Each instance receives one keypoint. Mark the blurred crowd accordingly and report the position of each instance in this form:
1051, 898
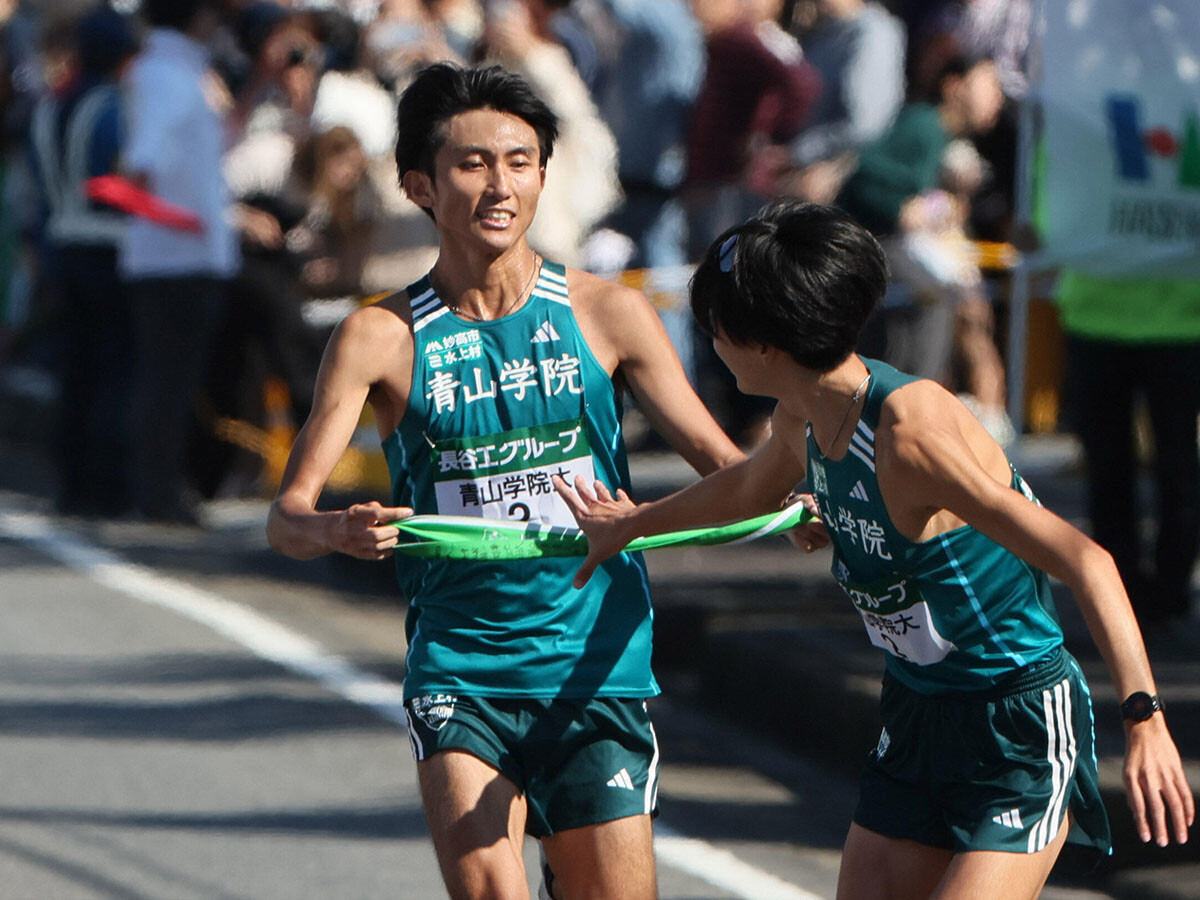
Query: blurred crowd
273, 124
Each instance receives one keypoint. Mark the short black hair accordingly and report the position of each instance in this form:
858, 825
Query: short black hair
176, 14
443, 90
798, 276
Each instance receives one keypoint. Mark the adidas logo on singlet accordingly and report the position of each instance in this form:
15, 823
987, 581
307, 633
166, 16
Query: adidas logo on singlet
860, 493
1010, 819
545, 334
621, 780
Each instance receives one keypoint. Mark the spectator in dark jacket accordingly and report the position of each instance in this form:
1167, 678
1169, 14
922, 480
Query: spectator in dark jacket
75, 136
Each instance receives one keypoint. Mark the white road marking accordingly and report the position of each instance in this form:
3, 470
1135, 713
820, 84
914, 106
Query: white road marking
257, 633
721, 868
307, 659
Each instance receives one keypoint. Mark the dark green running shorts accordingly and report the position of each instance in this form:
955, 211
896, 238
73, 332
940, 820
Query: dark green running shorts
992, 770
578, 762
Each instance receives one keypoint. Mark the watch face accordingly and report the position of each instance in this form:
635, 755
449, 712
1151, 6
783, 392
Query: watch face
1139, 706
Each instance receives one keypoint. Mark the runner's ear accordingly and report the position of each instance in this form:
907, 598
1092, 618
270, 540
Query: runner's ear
418, 186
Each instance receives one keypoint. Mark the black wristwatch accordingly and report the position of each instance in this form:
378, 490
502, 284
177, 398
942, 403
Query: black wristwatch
1139, 706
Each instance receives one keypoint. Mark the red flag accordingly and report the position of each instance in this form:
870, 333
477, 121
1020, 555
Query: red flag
121, 193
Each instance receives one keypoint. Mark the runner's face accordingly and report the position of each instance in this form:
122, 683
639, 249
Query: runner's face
488, 178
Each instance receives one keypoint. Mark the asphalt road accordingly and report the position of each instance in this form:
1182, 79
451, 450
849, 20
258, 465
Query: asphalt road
186, 715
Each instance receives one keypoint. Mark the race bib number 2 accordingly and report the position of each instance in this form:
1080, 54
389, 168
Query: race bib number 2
507, 475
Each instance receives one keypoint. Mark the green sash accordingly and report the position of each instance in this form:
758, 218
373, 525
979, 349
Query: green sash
468, 537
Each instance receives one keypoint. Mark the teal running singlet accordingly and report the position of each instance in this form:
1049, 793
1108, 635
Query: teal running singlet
954, 613
497, 408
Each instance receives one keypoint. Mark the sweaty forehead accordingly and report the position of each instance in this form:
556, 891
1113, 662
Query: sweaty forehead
498, 132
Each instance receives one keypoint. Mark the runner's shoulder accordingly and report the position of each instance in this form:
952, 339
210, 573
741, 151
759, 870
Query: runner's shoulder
389, 314
607, 302
382, 327
922, 425
916, 407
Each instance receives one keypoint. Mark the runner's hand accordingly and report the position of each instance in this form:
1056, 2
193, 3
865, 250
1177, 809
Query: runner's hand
362, 530
812, 534
1155, 784
603, 519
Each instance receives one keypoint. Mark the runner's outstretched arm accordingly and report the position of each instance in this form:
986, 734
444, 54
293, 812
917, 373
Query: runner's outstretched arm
751, 487
356, 358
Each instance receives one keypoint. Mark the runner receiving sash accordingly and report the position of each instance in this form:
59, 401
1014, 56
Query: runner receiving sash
985, 766
489, 377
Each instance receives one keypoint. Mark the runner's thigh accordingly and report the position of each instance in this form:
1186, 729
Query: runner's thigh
875, 867
476, 819
610, 861
999, 875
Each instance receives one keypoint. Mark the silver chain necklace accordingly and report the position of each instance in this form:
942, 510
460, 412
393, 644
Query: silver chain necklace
853, 402
520, 298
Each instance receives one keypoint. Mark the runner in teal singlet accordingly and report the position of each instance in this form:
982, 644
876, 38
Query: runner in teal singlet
985, 766
498, 407
491, 375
